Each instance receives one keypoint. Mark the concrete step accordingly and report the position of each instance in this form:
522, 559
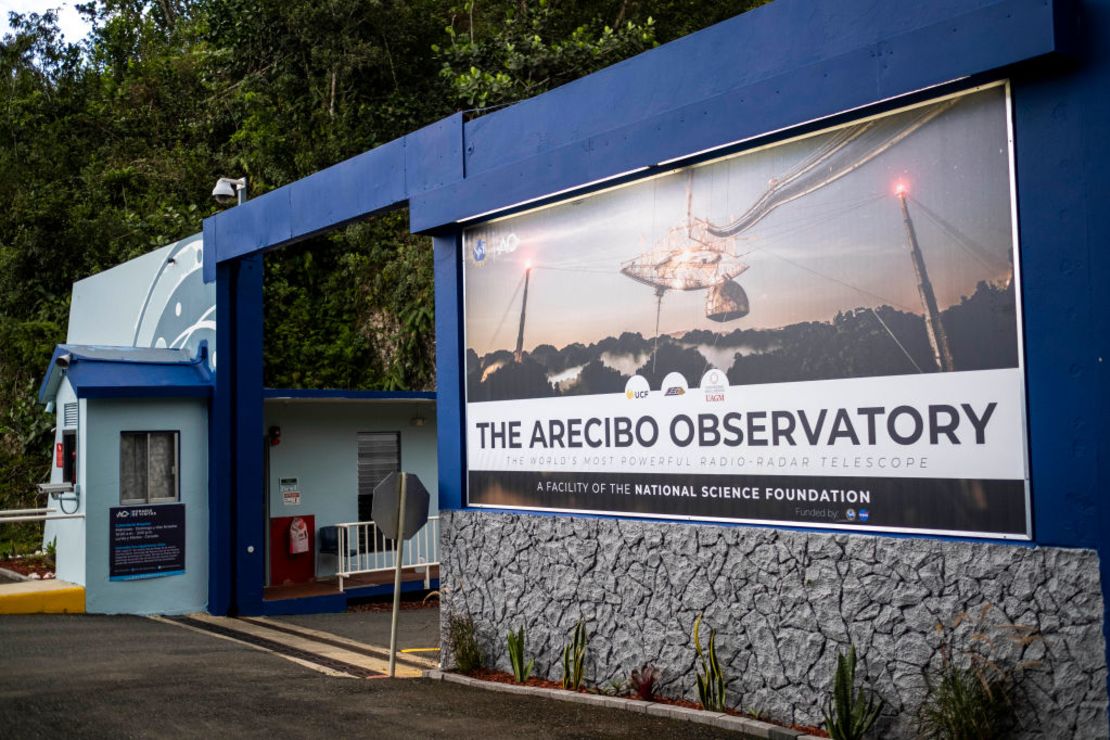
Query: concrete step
42, 597
324, 652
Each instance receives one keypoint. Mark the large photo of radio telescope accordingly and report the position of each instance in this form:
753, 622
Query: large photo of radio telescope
883, 247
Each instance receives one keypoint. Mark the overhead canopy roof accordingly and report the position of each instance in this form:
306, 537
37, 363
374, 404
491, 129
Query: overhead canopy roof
127, 372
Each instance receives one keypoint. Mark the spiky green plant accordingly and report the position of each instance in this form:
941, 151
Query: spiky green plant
850, 713
521, 669
574, 657
711, 679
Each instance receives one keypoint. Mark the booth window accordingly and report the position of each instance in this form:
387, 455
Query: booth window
379, 454
148, 467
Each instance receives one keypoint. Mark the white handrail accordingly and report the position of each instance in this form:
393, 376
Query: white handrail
42, 515
362, 548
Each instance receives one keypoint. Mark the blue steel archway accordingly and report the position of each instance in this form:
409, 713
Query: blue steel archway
783, 66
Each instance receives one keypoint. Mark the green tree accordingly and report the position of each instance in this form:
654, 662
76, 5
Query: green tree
108, 149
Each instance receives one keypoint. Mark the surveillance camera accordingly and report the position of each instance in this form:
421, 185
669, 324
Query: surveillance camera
63, 360
227, 190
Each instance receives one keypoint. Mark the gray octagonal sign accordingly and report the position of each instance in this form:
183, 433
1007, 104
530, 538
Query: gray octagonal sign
387, 498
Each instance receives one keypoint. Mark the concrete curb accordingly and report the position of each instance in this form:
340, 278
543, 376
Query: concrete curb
746, 727
42, 597
14, 575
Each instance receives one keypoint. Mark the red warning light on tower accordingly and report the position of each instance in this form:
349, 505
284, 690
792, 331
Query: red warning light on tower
901, 188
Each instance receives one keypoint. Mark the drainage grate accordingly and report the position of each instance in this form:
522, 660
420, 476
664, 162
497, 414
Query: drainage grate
277, 647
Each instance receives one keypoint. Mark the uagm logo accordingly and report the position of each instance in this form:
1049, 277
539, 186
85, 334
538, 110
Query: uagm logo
714, 384
480, 250
675, 390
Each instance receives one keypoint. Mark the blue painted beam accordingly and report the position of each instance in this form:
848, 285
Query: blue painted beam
788, 63
913, 44
369, 183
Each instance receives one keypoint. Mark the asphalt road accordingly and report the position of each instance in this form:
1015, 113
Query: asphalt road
416, 628
92, 676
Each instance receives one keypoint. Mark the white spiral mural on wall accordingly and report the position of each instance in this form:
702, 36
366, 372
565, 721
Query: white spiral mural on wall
179, 309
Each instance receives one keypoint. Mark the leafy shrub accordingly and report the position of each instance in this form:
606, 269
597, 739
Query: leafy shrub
521, 670
711, 680
574, 656
463, 643
644, 679
968, 703
850, 713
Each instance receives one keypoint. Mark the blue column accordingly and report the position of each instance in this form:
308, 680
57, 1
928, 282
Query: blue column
247, 433
450, 372
221, 528
1061, 116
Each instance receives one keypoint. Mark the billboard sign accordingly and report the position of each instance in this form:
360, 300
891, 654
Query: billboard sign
824, 331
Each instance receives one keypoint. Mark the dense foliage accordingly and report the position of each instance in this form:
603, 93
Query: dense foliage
109, 148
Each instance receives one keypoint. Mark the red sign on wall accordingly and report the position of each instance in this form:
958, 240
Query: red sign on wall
59, 455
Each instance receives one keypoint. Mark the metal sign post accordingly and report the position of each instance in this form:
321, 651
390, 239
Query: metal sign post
400, 543
400, 509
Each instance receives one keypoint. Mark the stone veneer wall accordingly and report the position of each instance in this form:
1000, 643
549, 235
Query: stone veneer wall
783, 604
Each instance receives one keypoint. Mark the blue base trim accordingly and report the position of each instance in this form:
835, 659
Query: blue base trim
385, 589
308, 605
333, 603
